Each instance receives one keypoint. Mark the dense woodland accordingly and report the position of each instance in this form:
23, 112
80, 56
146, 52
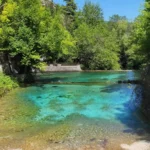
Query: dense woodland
34, 33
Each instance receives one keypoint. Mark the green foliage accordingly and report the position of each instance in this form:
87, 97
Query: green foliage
70, 13
96, 47
55, 41
144, 30
20, 30
33, 35
30, 33
115, 19
107, 54
123, 29
6, 84
70, 8
135, 57
139, 54
92, 13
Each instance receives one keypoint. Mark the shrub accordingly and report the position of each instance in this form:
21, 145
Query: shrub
7, 84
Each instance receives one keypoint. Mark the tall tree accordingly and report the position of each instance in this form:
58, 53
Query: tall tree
70, 12
123, 29
92, 13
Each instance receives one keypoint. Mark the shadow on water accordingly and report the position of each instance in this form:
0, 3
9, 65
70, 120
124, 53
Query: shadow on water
135, 122
112, 88
52, 79
130, 114
83, 77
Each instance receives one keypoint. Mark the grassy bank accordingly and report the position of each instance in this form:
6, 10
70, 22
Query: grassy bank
7, 84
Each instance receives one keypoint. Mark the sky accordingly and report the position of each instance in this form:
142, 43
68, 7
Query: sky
128, 8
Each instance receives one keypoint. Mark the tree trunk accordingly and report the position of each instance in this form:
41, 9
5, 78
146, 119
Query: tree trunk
6, 63
28, 76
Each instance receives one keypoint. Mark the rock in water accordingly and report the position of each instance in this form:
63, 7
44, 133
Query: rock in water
140, 145
103, 143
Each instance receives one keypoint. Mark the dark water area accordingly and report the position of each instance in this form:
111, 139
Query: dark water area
77, 110
88, 77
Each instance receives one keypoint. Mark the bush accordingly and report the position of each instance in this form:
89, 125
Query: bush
7, 84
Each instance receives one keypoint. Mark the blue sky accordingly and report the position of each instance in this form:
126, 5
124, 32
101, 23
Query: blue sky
128, 8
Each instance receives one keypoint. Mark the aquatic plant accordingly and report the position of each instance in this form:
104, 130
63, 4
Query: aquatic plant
106, 107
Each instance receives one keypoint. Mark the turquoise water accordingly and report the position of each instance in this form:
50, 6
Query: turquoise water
99, 96
74, 110
94, 101
88, 77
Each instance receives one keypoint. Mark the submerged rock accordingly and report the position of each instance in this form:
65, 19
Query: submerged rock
16, 149
39, 97
104, 143
54, 86
93, 139
129, 81
140, 145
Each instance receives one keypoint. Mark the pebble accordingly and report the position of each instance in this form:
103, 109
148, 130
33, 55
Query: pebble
104, 143
93, 139
140, 145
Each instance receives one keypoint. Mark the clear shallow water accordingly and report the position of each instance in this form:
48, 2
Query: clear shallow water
91, 110
94, 101
102, 98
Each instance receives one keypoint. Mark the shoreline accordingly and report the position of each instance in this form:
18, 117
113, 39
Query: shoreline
87, 71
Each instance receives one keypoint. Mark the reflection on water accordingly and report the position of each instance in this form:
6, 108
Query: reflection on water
87, 77
73, 116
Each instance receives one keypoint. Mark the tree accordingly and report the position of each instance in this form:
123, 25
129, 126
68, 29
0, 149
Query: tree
113, 20
70, 12
6, 17
20, 32
107, 51
83, 36
146, 29
96, 47
123, 30
139, 54
55, 41
92, 13
30, 34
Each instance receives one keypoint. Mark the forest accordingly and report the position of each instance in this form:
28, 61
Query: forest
34, 33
